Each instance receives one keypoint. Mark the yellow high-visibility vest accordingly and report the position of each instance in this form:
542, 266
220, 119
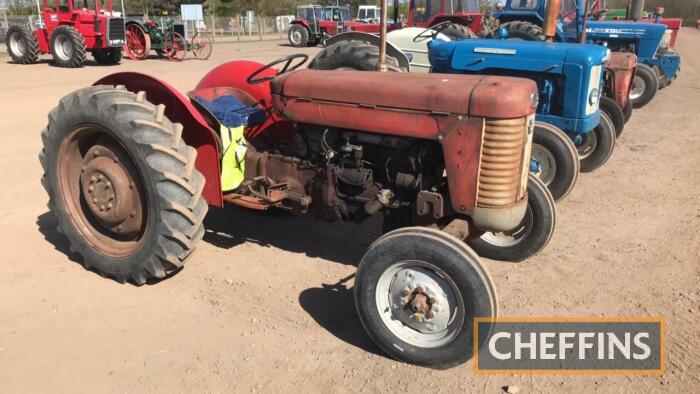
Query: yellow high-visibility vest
233, 162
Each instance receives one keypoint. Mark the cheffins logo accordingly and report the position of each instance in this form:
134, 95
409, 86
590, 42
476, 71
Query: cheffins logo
569, 345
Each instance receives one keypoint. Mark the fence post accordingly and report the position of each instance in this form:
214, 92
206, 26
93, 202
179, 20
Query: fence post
238, 28
260, 27
4, 16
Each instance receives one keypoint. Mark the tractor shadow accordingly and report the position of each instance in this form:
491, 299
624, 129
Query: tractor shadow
339, 242
47, 225
332, 306
50, 63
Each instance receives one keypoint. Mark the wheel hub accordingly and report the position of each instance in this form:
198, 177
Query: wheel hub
109, 192
638, 87
419, 302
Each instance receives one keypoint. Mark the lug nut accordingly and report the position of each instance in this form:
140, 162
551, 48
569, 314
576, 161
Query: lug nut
102, 207
97, 153
94, 200
405, 292
90, 188
417, 317
109, 205
100, 177
116, 160
133, 213
119, 229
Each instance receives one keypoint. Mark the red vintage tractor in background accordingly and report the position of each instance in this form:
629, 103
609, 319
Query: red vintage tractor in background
68, 29
465, 16
314, 23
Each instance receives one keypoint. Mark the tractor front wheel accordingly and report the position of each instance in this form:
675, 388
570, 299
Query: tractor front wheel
122, 183
417, 292
596, 146
644, 85
22, 45
555, 159
67, 47
530, 237
108, 56
616, 114
298, 36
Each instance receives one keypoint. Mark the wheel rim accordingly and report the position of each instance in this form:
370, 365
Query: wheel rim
638, 87
102, 191
513, 237
202, 46
296, 37
63, 47
17, 44
546, 163
175, 47
587, 145
419, 304
135, 42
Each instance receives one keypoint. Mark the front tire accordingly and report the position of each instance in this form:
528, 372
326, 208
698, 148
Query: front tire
417, 292
596, 146
67, 47
108, 56
22, 45
122, 183
611, 108
298, 36
530, 237
644, 85
627, 110
556, 158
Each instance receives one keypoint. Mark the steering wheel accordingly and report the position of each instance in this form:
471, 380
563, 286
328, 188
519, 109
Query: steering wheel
432, 32
288, 66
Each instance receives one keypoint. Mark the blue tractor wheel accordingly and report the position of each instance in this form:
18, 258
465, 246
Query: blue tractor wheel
554, 159
644, 85
596, 146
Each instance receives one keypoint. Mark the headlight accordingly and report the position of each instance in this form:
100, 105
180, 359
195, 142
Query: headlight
594, 85
593, 97
666, 42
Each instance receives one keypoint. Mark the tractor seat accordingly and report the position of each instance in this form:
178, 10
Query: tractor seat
228, 106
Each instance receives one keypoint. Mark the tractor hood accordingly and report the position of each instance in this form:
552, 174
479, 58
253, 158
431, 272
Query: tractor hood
478, 55
625, 30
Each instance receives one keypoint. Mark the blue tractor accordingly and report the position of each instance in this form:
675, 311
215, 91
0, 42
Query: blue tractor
658, 63
569, 77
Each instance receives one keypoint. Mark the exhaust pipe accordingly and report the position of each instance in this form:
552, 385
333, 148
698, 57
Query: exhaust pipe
636, 10
381, 65
550, 19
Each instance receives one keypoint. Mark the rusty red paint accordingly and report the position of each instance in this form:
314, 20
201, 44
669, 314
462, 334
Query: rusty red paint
621, 67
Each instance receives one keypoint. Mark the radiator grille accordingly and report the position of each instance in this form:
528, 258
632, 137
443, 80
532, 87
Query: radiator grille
505, 146
116, 29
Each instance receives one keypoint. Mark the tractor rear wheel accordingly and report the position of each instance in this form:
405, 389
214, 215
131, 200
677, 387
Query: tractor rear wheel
22, 44
523, 30
530, 237
417, 292
67, 47
122, 183
457, 31
644, 85
596, 146
351, 55
107, 56
611, 108
556, 159
298, 36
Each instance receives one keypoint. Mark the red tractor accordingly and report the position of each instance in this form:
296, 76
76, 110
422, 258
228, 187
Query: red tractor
314, 23
131, 164
465, 15
68, 29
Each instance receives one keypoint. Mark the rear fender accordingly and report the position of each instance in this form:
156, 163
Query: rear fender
620, 68
300, 22
196, 131
391, 50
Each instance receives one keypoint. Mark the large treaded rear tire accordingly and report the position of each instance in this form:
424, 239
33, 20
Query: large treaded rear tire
523, 30
456, 31
354, 54
76, 57
171, 186
298, 36
28, 50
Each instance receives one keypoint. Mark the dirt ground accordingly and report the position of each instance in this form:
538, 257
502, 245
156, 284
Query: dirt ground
259, 307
